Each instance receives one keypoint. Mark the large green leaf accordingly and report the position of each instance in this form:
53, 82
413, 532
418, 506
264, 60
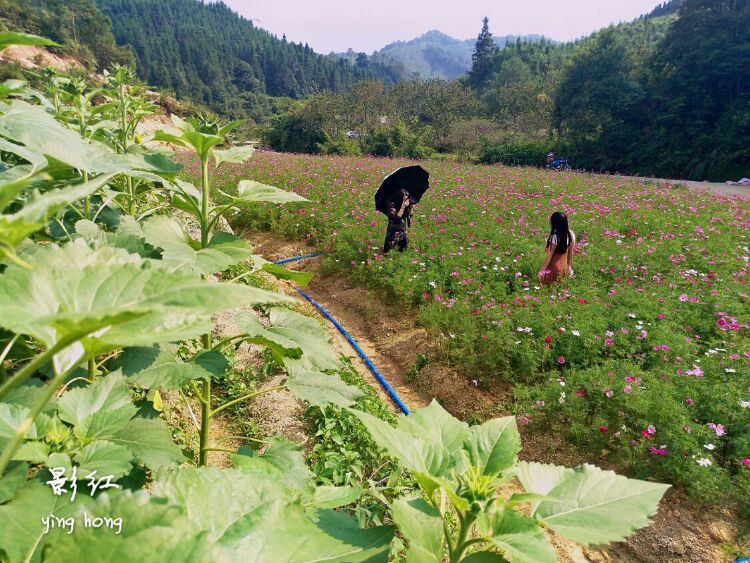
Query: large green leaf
12, 418
595, 506
150, 530
235, 155
281, 346
38, 131
436, 425
8, 38
33, 215
187, 134
159, 367
493, 447
282, 459
484, 557
259, 518
410, 450
103, 458
282, 273
199, 489
540, 478
422, 526
98, 410
250, 191
321, 389
150, 441
318, 352
22, 531
183, 253
12, 481
128, 236
520, 538
111, 296
333, 497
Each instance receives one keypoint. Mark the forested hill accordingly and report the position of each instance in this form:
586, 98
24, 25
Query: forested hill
209, 53
437, 55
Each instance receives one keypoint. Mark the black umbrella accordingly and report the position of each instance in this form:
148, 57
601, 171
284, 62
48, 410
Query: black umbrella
413, 179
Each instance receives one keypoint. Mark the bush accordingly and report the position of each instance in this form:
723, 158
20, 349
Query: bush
397, 140
524, 153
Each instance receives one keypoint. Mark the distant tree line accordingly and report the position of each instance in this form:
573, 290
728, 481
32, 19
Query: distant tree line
663, 95
210, 54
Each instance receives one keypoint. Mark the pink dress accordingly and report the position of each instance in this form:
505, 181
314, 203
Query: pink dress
559, 264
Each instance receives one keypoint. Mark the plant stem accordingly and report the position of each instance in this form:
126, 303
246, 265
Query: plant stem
15, 442
245, 397
205, 226
92, 370
29, 369
205, 422
131, 196
197, 391
466, 520
87, 201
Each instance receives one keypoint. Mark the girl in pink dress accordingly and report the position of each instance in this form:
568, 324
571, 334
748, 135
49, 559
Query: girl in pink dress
561, 244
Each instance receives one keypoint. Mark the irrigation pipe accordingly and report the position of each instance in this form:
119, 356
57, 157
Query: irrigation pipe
295, 258
353, 343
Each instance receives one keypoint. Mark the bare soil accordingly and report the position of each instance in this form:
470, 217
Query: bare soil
32, 56
391, 338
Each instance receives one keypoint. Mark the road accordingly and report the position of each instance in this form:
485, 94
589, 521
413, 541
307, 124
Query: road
723, 189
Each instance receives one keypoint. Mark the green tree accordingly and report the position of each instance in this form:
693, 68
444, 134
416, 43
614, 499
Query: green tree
484, 51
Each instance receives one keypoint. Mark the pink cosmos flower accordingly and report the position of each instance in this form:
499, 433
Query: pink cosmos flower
609, 342
745, 461
604, 429
561, 360
581, 392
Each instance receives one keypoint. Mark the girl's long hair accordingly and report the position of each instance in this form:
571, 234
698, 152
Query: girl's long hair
559, 229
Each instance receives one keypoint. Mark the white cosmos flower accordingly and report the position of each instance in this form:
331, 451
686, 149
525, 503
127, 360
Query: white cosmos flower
704, 462
575, 333
745, 404
709, 447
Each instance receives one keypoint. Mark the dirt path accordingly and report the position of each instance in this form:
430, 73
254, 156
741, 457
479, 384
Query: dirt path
390, 338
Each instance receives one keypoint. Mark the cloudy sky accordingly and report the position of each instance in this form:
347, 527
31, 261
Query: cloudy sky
335, 25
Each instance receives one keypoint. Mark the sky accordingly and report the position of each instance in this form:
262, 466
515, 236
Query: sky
336, 25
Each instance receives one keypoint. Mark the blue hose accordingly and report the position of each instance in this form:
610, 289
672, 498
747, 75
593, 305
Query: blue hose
295, 258
386, 386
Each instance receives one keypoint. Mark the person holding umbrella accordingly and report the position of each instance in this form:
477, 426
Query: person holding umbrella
396, 198
395, 234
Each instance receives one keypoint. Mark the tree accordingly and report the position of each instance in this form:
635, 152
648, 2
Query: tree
484, 51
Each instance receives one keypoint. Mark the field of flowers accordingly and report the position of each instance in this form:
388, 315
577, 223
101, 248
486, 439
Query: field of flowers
645, 354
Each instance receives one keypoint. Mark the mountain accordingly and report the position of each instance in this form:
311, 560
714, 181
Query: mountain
209, 53
436, 54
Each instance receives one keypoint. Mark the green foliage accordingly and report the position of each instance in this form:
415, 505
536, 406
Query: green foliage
469, 464
77, 25
529, 153
104, 310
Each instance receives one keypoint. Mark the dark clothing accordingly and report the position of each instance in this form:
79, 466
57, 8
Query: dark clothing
395, 236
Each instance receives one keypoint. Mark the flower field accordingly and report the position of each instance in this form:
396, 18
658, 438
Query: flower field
644, 354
